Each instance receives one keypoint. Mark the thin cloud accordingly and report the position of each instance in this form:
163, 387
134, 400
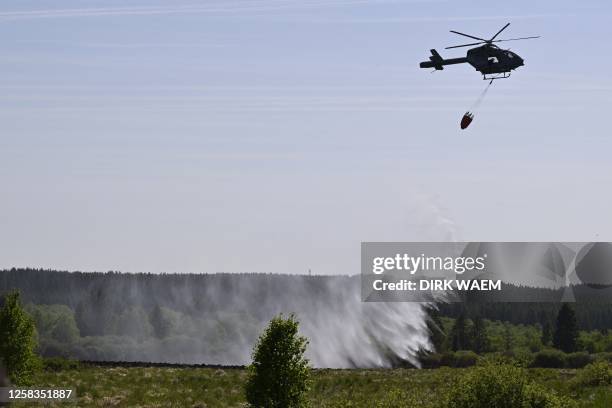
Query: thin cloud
224, 8
129, 45
391, 20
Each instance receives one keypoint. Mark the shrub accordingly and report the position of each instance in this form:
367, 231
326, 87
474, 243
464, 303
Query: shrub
447, 359
500, 386
578, 360
465, 358
60, 364
496, 358
459, 359
397, 399
593, 375
432, 360
605, 356
17, 341
279, 374
520, 357
549, 359
535, 396
488, 386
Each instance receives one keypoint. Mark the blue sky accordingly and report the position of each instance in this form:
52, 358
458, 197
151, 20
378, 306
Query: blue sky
276, 135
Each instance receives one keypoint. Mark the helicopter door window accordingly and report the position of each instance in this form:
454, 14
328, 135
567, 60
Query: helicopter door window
493, 60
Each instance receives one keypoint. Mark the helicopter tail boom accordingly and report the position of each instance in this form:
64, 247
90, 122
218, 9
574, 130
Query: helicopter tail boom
436, 61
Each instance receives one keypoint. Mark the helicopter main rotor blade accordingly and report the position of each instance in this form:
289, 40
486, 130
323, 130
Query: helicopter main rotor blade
465, 45
469, 36
515, 39
499, 32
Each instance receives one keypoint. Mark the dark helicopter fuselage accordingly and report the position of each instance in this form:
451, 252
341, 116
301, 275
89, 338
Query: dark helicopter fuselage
488, 59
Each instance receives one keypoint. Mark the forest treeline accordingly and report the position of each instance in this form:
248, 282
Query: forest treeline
186, 293
187, 318
102, 294
181, 318
590, 316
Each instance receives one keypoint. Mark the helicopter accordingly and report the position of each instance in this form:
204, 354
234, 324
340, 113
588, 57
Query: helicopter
490, 60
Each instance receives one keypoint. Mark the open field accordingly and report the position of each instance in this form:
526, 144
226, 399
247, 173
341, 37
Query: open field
210, 387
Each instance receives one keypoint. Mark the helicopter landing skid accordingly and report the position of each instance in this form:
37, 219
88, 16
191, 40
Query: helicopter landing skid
494, 77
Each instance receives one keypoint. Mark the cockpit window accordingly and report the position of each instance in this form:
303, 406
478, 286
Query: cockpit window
510, 55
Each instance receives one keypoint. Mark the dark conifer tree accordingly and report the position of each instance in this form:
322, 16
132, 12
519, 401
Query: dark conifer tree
460, 340
566, 331
546, 333
480, 341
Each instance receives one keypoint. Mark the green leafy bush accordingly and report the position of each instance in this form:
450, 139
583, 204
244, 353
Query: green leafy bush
520, 357
500, 386
549, 359
459, 359
279, 374
593, 375
605, 356
430, 360
465, 358
397, 399
60, 364
578, 360
536, 396
497, 358
18, 341
488, 386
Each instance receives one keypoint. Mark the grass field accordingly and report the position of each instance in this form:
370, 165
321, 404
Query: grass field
207, 387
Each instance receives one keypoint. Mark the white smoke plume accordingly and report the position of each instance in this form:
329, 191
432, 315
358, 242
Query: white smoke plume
345, 332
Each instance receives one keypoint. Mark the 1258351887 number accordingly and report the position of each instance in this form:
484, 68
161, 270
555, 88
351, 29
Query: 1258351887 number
8, 394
